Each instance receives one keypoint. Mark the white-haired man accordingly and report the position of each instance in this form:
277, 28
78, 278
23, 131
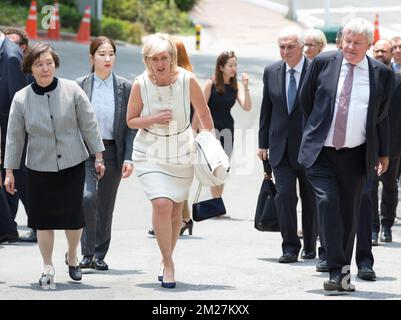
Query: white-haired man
345, 99
280, 134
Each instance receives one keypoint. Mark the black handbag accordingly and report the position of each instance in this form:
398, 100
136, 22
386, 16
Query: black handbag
266, 217
207, 209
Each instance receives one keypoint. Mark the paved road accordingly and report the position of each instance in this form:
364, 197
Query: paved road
225, 258
312, 13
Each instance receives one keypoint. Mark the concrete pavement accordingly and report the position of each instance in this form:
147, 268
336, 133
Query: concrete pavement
226, 258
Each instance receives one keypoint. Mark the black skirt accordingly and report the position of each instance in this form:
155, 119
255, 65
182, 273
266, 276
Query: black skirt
55, 199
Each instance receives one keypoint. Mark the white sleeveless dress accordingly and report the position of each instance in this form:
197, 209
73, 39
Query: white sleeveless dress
162, 153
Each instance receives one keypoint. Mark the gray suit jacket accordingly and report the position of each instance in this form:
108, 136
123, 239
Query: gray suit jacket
57, 124
123, 135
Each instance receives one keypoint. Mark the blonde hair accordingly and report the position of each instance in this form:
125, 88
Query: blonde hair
158, 43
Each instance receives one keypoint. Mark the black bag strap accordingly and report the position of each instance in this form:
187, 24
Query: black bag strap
267, 169
198, 193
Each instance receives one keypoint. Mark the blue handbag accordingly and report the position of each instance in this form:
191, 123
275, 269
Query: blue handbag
207, 209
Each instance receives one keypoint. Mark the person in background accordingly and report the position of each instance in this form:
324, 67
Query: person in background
183, 62
396, 50
221, 93
57, 118
109, 94
159, 106
12, 79
19, 37
314, 43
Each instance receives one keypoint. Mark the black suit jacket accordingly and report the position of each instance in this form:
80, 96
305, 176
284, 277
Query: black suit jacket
317, 100
12, 80
394, 114
123, 135
278, 130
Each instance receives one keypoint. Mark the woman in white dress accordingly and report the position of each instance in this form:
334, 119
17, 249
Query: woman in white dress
159, 106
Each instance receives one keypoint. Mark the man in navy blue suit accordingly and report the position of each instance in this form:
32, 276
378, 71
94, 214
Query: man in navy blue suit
280, 133
12, 80
345, 99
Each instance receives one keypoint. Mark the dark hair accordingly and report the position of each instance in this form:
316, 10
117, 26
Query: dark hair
34, 54
22, 34
219, 80
97, 42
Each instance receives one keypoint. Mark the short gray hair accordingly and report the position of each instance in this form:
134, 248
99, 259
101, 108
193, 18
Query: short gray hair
158, 43
291, 31
317, 35
360, 26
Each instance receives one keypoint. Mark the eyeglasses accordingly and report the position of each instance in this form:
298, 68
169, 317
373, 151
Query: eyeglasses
396, 47
311, 45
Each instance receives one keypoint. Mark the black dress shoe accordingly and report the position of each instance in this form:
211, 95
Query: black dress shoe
87, 263
75, 272
366, 273
307, 255
375, 239
29, 237
101, 265
9, 237
321, 266
385, 235
288, 258
336, 284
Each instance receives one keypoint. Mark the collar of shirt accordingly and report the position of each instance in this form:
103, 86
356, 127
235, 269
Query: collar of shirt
98, 82
298, 67
2, 37
396, 66
363, 64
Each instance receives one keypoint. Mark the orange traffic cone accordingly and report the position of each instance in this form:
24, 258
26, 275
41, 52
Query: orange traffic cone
376, 34
84, 32
54, 30
31, 22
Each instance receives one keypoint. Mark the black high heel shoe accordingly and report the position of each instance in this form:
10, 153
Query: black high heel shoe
188, 225
75, 272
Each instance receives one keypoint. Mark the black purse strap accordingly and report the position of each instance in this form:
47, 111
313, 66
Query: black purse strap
198, 193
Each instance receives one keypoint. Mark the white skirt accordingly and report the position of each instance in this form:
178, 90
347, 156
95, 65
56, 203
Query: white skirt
163, 163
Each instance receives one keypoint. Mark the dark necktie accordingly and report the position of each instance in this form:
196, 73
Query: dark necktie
292, 91
340, 125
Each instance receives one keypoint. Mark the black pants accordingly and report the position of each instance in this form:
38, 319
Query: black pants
338, 179
389, 200
286, 205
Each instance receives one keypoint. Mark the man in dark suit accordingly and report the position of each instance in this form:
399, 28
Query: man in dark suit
345, 98
280, 134
12, 80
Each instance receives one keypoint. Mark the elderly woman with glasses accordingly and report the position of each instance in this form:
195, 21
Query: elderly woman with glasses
221, 93
314, 43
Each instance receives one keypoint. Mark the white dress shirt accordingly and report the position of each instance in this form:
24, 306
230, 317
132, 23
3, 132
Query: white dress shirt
297, 74
104, 105
2, 37
358, 107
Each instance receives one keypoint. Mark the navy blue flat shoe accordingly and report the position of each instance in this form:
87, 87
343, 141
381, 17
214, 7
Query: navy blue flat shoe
168, 285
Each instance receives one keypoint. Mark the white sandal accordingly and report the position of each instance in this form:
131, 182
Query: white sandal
46, 281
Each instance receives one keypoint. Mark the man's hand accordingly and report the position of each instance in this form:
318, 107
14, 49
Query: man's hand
126, 170
381, 165
263, 154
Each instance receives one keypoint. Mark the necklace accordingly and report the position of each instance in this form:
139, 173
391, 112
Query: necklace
159, 96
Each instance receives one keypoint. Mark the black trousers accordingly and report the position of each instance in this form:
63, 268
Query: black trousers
286, 205
364, 256
389, 199
338, 179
